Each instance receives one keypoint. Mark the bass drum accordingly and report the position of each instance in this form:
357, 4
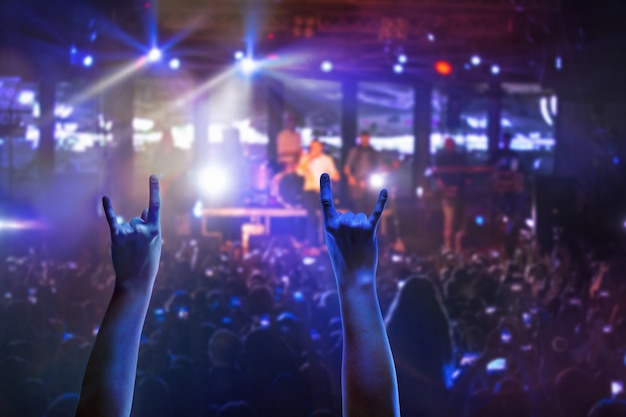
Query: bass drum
286, 189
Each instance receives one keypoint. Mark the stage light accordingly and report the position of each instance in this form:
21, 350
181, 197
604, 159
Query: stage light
88, 61
615, 160
402, 59
558, 62
475, 60
326, 66
174, 63
530, 223
26, 98
213, 181
443, 67
479, 220
495, 70
248, 65
398, 69
431, 37
154, 55
197, 209
239, 55
377, 180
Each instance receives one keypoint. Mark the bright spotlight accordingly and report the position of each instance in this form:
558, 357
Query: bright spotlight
398, 68
239, 55
530, 223
26, 98
495, 70
402, 59
174, 63
326, 66
248, 65
475, 60
431, 37
197, 209
377, 180
154, 54
88, 61
213, 181
479, 220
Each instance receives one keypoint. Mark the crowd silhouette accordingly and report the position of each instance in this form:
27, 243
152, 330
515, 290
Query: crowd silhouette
359, 331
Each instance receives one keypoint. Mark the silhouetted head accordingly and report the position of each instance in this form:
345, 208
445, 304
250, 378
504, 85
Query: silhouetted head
449, 145
364, 138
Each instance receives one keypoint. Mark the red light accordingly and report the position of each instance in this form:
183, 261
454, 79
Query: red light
146, 5
443, 67
270, 36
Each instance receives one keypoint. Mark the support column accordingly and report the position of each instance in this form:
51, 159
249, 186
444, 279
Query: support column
421, 133
119, 105
45, 152
349, 123
200, 129
349, 117
494, 114
275, 113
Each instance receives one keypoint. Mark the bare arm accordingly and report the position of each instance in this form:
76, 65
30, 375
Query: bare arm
369, 386
109, 380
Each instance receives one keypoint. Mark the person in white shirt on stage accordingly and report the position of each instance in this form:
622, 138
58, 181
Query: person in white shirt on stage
311, 167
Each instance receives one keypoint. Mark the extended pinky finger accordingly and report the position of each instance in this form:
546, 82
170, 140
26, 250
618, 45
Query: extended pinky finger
379, 208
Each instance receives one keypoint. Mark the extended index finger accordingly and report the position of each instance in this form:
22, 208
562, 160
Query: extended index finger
326, 196
154, 207
110, 215
379, 208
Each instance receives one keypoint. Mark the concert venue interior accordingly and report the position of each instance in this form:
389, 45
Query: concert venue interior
497, 127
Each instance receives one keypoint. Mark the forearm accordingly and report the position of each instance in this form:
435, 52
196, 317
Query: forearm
109, 380
369, 377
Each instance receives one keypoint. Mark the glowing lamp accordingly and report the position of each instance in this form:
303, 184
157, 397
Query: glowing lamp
443, 67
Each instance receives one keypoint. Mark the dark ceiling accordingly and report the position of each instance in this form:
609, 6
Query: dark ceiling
524, 37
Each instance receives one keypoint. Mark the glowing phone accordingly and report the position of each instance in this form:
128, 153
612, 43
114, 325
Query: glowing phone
469, 358
496, 365
617, 387
264, 321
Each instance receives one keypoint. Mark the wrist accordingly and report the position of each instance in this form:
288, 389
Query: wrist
133, 287
357, 279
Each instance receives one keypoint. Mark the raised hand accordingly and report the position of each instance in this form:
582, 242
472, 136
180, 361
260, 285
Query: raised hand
369, 386
136, 245
351, 238
109, 380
